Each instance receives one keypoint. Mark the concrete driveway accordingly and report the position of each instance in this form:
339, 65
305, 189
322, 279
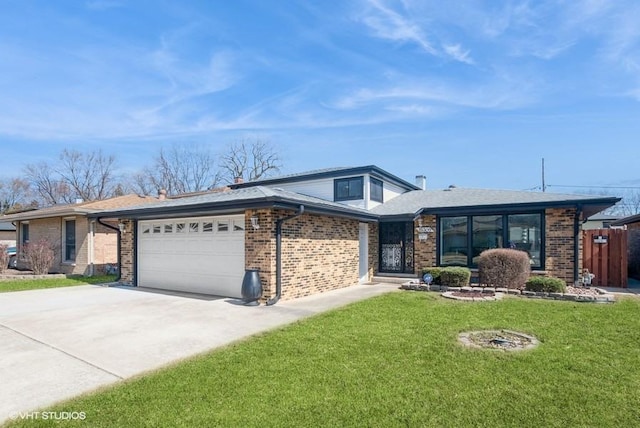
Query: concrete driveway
58, 343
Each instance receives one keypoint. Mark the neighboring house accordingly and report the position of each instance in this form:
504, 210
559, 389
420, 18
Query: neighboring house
599, 221
326, 229
82, 245
7, 233
632, 223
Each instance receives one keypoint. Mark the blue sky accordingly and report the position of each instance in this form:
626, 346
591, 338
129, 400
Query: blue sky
467, 92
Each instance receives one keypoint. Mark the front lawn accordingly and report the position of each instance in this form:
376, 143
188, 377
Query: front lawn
35, 284
395, 361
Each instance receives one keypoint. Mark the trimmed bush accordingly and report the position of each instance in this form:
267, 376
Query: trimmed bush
434, 272
547, 284
503, 267
455, 276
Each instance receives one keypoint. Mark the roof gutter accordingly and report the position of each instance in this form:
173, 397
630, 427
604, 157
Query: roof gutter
279, 222
119, 244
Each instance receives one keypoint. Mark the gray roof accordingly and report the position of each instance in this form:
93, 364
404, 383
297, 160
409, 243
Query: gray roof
467, 200
236, 200
6, 226
601, 217
627, 220
327, 173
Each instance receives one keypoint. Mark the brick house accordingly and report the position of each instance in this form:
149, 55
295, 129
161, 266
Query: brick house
82, 245
632, 223
326, 229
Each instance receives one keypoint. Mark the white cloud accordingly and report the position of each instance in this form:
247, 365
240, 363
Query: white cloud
456, 52
393, 25
389, 24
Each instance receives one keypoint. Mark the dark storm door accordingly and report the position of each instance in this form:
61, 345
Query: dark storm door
396, 247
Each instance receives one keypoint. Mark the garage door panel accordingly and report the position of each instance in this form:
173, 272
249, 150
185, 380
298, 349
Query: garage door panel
199, 259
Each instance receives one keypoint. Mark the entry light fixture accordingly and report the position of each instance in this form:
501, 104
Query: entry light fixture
122, 227
254, 223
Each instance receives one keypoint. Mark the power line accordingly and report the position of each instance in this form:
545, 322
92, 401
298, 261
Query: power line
594, 187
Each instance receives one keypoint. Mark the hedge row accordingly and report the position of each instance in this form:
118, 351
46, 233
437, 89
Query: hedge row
449, 276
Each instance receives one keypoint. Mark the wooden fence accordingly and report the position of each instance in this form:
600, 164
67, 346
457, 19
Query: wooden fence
605, 255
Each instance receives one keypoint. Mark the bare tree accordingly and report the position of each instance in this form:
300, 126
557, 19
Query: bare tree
46, 184
179, 169
88, 176
249, 160
14, 194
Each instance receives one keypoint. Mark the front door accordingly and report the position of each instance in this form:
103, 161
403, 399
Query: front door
396, 247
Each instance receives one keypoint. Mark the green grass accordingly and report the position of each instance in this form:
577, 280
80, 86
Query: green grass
394, 361
36, 284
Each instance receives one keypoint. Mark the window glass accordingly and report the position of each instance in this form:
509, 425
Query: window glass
238, 225
25, 233
194, 227
146, 228
180, 228
346, 189
168, 228
376, 190
207, 226
487, 234
157, 228
69, 240
454, 242
223, 226
525, 233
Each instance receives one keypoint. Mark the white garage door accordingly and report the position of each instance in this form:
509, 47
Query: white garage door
196, 255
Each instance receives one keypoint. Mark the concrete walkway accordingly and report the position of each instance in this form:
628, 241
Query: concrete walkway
59, 343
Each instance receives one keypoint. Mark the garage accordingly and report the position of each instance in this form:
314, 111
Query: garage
196, 254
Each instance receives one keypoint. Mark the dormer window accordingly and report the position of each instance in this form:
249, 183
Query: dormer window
348, 189
376, 190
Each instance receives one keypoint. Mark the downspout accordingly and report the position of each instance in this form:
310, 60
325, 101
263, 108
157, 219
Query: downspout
118, 249
91, 240
279, 222
576, 243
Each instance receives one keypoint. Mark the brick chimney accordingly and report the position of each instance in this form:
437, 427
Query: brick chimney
162, 194
238, 180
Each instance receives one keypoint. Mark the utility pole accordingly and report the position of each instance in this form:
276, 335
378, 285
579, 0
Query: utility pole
544, 186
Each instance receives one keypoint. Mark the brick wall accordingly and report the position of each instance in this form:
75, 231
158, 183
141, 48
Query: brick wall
425, 251
260, 248
319, 253
105, 247
374, 248
126, 253
559, 243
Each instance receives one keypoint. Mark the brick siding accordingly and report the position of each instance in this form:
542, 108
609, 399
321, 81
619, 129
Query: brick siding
559, 244
319, 253
127, 273
424, 251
